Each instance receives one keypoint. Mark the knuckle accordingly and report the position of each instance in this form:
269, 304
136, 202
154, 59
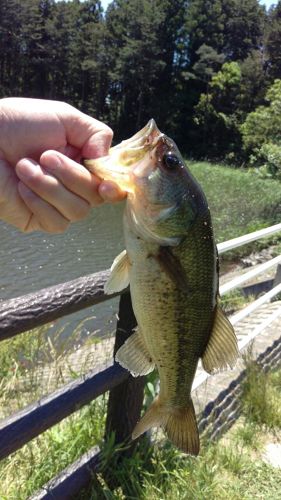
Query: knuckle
107, 131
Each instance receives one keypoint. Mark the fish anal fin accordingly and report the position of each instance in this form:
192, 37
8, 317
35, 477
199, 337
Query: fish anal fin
119, 276
173, 268
222, 349
134, 356
178, 422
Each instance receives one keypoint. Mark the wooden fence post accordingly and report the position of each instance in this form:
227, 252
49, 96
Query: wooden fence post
125, 400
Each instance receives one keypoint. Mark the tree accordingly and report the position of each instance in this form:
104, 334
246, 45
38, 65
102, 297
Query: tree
220, 30
263, 125
205, 25
244, 27
254, 82
144, 41
273, 42
208, 64
216, 114
231, 27
261, 134
12, 47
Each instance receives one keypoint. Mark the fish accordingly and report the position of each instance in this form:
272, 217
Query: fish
171, 264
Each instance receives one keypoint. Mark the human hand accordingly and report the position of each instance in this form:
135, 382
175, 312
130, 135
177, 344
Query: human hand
42, 184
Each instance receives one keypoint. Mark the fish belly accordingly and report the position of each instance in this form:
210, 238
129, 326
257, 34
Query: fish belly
170, 320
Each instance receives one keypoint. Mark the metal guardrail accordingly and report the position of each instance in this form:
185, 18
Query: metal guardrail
253, 273
30, 311
248, 238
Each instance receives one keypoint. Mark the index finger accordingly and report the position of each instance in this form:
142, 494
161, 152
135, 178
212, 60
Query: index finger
92, 137
79, 180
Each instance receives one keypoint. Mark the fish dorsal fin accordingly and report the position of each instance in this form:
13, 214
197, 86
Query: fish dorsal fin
222, 349
172, 267
134, 356
119, 276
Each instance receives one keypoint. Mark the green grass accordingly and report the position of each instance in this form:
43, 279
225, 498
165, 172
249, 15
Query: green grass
261, 396
35, 463
234, 300
230, 468
239, 200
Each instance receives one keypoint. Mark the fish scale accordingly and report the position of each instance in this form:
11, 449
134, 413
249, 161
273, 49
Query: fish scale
180, 330
170, 262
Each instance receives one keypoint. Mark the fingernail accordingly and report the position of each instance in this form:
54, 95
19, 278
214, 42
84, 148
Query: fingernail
110, 192
27, 168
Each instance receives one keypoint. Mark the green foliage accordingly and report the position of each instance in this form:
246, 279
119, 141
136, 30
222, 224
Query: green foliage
244, 28
47, 455
208, 63
231, 468
273, 41
271, 153
233, 301
216, 113
264, 124
253, 82
142, 59
261, 133
22, 352
226, 79
146, 42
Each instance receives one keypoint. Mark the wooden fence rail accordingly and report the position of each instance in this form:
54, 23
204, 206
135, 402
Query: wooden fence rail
36, 309
126, 393
36, 418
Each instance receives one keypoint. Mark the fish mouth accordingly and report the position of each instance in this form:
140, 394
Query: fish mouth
131, 158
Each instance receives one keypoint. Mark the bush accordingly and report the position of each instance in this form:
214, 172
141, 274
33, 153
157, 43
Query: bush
271, 155
261, 133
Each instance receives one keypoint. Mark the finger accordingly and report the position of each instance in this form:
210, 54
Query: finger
50, 189
98, 144
70, 151
43, 216
73, 176
110, 192
90, 136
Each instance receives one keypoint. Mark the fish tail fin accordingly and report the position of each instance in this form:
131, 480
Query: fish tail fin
179, 424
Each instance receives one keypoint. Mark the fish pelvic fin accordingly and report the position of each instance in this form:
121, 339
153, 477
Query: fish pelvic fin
222, 349
119, 276
134, 356
179, 423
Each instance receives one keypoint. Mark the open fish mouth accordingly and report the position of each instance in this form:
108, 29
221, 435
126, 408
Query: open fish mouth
128, 156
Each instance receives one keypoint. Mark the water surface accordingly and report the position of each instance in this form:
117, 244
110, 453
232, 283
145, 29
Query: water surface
30, 262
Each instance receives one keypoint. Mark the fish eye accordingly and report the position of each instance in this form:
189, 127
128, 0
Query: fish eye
171, 161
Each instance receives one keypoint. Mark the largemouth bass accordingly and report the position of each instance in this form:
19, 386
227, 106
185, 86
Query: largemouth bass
171, 265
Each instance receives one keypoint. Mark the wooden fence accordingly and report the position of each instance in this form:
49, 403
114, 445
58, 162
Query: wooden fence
125, 392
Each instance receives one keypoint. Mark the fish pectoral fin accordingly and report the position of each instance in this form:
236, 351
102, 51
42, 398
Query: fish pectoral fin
222, 349
179, 424
119, 276
134, 356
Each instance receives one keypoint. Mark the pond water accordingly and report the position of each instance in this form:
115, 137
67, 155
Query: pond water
35, 261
